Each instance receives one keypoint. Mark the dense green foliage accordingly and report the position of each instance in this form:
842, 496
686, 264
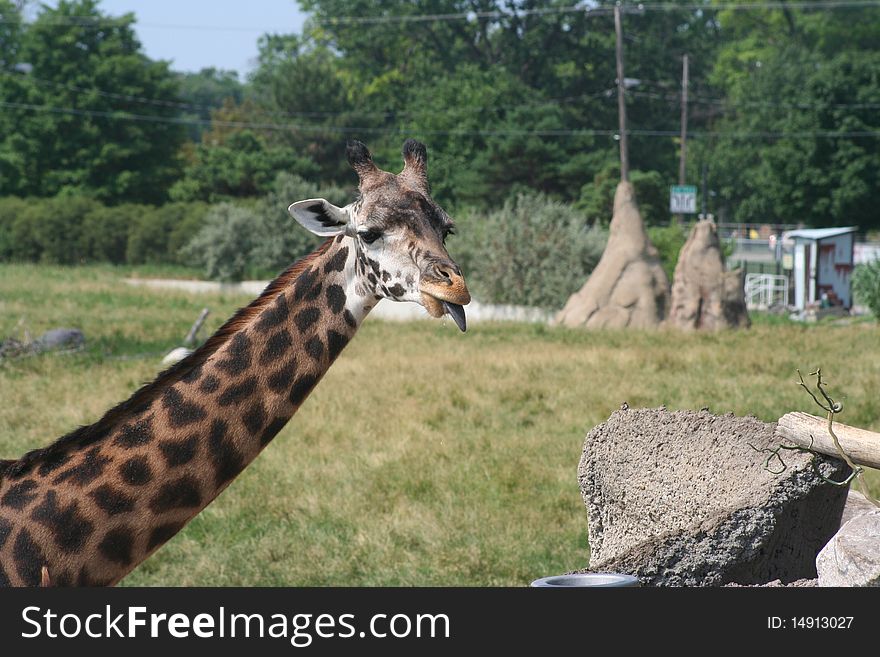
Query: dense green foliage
261, 238
76, 230
866, 286
531, 251
669, 240
202, 93
59, 134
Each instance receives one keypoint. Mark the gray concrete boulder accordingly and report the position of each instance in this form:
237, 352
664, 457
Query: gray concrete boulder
60, 339
704, 295
856, 505
628, 287
733, 300
852, 556
681, 499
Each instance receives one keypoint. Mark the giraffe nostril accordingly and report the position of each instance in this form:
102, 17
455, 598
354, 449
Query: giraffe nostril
445, 272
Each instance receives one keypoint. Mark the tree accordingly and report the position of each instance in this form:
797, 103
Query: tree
69, 128
301, 83
597, 196
10, 34
206, 91
236, 162
800, 110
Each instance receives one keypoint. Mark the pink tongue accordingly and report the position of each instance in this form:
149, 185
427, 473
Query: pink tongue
457, 313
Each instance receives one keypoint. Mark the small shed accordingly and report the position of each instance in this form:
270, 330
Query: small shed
823, 264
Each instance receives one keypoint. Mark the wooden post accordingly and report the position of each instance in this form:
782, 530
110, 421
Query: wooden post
621, 97
682, 161
862, 447
190, 338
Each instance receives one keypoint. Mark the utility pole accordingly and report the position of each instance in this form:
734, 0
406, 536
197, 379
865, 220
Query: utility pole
705, 191
682, 162
621, 98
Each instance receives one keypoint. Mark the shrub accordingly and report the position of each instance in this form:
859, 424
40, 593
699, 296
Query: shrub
866, 286
148, 236
156, 235
51, 230
289, 187
597, 197
105, 233
186, 220
260, 239
23, 231
669, 240
10, 209
69, 229
532, 251
225, 243
279, 240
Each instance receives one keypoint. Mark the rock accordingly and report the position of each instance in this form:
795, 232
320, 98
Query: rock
856, 505
10, 348
176, 355
852, 556
628, 288
60, 339
733, 302
681, 499
704, 295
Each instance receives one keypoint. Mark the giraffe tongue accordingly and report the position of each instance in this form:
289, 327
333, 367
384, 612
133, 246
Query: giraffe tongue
457, 313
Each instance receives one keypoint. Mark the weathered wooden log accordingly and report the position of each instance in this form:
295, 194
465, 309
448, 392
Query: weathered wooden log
862, 447
190, 338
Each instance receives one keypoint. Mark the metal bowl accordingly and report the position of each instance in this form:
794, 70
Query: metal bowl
588, 579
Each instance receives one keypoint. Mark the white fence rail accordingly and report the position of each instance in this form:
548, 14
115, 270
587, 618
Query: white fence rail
764, 291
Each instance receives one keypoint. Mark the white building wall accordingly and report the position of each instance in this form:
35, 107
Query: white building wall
800, 263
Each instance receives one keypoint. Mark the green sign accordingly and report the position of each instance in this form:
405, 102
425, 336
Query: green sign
683, 199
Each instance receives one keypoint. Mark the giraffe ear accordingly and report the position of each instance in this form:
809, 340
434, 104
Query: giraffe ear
320, 217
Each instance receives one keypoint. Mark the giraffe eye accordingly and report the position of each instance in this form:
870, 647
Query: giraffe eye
369, 236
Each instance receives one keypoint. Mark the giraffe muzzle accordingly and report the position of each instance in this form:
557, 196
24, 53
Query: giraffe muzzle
444, 292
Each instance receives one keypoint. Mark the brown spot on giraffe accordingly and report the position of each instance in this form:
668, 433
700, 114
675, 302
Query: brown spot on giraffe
179, 452
112, 499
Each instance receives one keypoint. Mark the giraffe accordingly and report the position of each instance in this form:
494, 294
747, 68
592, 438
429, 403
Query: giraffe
90, 507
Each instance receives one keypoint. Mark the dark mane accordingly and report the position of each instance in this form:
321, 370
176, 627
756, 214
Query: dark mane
144, 397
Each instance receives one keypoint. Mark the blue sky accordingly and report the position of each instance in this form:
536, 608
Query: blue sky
196, 42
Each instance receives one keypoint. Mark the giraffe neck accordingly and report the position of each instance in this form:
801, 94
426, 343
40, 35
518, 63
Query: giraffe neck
98, 502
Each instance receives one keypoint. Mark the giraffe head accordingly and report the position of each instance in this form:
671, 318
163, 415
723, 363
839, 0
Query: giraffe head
399, 233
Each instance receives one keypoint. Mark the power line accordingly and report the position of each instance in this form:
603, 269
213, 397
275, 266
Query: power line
601, 11
607, 93
752, 6
127, 116
168, 103
264, 112
586, 132
637, 8
721, 102
706, 100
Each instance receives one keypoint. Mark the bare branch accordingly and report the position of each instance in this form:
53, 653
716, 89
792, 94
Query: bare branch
832, 408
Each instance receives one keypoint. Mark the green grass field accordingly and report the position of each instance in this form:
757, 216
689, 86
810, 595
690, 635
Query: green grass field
425, 457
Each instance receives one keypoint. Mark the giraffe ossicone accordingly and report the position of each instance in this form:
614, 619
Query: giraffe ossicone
91, 506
